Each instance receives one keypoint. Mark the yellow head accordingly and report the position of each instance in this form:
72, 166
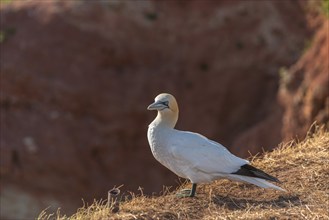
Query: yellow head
167, 108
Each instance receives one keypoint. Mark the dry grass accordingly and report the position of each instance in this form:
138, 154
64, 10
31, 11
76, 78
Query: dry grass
302, 167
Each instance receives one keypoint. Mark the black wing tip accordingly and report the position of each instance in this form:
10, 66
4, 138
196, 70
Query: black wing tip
248, 170
274, 179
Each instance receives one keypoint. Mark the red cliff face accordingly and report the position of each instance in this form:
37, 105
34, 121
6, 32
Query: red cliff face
77, 76
303, 98
304, 88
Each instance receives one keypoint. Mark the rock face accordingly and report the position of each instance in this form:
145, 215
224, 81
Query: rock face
76, 77
304, 88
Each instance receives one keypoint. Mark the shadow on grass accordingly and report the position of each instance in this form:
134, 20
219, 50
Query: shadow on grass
241, 203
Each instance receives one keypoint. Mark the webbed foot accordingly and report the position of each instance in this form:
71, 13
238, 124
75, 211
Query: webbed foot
187, 192
184, 193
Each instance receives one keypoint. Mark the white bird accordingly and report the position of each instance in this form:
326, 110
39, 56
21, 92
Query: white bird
193, 156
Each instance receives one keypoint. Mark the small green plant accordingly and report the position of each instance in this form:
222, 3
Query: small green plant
5, 1
2, 36
285, 77
325, 7
307, 45
6, 33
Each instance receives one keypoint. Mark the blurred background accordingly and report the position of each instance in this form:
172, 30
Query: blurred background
77, 76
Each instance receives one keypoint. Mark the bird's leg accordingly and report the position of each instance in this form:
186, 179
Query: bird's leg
187, 192
192, 194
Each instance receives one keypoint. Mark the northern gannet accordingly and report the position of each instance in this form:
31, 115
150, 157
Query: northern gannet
193, 156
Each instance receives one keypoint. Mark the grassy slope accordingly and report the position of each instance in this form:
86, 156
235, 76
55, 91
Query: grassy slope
302, 167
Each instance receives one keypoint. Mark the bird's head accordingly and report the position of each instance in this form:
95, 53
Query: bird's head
167, 108
164, 102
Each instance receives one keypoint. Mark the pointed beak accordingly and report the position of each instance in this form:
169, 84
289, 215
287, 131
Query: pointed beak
157, 106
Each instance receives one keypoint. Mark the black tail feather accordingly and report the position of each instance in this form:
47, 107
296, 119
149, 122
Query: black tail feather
248, 170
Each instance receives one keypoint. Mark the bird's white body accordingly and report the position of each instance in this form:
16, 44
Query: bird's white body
191, 155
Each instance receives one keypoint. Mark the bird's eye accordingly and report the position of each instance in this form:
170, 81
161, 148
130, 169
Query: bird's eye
166, 103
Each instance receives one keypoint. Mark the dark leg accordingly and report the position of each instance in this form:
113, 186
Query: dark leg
187, 192
192, 194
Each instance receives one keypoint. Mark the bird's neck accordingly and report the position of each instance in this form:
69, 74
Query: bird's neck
166, 119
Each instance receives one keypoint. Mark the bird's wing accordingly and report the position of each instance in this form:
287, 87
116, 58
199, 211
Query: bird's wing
202, 154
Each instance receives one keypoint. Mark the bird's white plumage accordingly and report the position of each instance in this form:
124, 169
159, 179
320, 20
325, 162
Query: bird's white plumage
191, 155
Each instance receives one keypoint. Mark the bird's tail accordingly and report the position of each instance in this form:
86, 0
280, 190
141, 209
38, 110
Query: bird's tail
256, 181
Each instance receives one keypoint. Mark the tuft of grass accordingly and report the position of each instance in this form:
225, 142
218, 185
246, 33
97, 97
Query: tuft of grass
5, 1
303, 167
319, 6
325, 7
6, 33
